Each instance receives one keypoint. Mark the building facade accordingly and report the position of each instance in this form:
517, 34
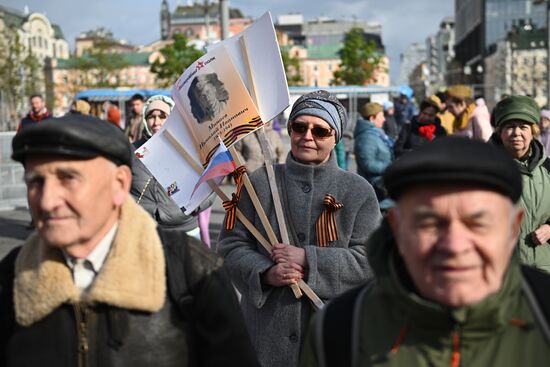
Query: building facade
68, 81
482, 24
198, 22
413, 56
317, 44
519, 65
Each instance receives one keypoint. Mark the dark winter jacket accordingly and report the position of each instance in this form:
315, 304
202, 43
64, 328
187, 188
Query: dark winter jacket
153, 303
31, 118
391, 128
412, 135
148, 193
397, 327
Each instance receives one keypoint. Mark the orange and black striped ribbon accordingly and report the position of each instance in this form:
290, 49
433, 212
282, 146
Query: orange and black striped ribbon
325, 226
230, 206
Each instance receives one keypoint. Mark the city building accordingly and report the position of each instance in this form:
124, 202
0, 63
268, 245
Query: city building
101, 37
481, 24
68, 81
413, 56
317, 43
439, 54
519, 65
192, 20
36, 33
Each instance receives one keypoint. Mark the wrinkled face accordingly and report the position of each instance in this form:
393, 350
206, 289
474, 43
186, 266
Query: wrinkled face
456, 242
308, 148
74, 203
155, 119
516, 136
427, 115
137, 106
378, 119
456, 107
37, 104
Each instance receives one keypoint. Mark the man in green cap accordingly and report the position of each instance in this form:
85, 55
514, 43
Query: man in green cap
516, 119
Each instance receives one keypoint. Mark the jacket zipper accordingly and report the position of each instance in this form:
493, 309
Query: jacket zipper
455, 354
81, 313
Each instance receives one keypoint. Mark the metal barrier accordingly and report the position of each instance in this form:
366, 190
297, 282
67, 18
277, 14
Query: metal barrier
13, 192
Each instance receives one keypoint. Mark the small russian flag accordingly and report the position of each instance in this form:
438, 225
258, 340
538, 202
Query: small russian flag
220, 165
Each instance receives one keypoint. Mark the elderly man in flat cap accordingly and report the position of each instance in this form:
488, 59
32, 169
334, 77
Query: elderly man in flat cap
96, 284
448, 291
517, 129
329, 212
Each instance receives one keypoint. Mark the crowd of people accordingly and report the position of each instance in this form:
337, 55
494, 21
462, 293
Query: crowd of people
435, 253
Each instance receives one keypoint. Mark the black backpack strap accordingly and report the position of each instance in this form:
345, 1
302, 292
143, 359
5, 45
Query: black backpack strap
7, 311
536, 284
546, 164
336, 328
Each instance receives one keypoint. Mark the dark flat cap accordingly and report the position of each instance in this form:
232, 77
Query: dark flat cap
73, 135
455, 160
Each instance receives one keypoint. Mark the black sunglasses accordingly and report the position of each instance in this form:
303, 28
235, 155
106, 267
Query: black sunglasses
316, 131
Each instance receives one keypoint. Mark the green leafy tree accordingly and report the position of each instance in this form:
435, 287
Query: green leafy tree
359, 60
177, 57
21, 75
292, 69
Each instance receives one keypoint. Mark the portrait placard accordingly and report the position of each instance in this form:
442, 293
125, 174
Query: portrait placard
214, 103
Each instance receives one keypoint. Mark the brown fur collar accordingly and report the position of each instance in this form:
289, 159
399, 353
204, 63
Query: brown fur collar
132, 277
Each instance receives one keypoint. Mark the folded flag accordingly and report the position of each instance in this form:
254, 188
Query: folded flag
220, 165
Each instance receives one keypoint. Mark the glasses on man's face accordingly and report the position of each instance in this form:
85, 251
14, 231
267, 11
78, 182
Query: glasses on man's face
317, 131
160, 115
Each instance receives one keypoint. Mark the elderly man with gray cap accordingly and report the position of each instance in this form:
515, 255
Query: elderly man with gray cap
516, 120
448, 290
97, 284
329, 212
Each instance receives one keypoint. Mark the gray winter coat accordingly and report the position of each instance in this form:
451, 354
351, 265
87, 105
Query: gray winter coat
276, 320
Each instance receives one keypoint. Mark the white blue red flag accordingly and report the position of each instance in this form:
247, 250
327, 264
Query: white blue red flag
220, 165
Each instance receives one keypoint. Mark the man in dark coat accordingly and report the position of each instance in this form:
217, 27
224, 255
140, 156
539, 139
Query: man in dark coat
97, 284
37, 113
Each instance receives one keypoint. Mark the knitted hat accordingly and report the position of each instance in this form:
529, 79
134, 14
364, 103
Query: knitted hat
324, 105
517, 108
459, 91
545, 114
156, 102
371, 109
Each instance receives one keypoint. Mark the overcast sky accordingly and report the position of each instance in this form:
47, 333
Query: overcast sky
137, 21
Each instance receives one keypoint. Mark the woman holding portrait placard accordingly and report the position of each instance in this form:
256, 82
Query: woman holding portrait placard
329, 213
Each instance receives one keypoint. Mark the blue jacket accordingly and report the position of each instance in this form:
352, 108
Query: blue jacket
372, 153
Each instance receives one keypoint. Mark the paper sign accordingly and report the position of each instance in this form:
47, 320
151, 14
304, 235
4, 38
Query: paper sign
214, 102
266, 64
170, 168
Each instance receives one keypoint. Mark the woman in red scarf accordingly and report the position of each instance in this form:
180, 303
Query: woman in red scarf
423, 128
